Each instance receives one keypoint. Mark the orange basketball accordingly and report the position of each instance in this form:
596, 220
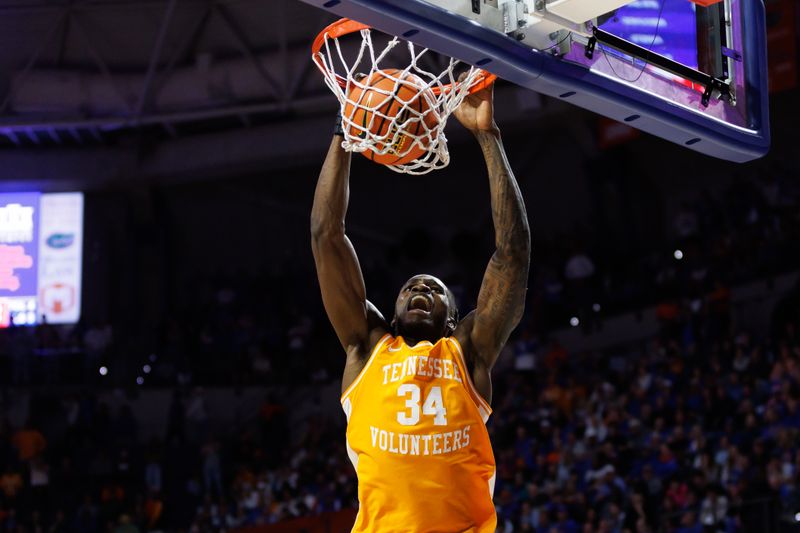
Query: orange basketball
383, 106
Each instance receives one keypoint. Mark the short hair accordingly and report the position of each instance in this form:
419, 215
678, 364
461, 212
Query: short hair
453, 305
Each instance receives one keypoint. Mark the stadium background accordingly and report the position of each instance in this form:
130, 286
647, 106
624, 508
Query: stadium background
641, 391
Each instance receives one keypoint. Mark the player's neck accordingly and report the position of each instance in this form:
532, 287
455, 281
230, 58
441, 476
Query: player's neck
412, 338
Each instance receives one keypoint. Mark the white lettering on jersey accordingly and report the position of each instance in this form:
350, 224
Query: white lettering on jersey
415, 444
422, 361
422, 366
427, 439
448, 369
437, 368
436, 438
434, 405
409, 444
404, 444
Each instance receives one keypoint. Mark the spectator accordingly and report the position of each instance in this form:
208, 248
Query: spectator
212, 474
11, 483
29, 442
196, 417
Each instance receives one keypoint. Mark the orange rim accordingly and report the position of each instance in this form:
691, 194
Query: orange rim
346, 26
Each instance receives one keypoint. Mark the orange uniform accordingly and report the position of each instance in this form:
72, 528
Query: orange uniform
417, 438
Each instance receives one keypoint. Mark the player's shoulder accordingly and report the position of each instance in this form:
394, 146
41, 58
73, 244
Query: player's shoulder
463, 334
377, 328
464, 327
358, 358
476, 362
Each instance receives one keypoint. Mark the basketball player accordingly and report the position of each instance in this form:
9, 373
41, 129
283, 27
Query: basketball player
417, 389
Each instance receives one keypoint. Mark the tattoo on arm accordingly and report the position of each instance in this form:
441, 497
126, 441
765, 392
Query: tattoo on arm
501, 300
498, 294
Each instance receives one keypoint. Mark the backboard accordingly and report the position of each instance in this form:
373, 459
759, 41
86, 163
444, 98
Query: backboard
692, 74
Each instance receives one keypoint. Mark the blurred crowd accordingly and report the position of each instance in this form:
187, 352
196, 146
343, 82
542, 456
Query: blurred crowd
695, 429
745, 232
77, 465
244, 328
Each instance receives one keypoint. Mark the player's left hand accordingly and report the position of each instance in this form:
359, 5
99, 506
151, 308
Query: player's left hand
476, 112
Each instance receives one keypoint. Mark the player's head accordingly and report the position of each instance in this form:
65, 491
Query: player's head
425, 309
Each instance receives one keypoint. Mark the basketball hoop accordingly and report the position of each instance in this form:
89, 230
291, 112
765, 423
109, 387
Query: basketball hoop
423, 125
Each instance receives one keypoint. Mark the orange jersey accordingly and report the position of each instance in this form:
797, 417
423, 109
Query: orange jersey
417, 438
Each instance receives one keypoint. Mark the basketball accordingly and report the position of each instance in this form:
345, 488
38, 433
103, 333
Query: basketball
393, 106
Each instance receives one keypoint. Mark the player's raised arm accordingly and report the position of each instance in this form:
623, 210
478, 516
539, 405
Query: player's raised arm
502, 296
339, 273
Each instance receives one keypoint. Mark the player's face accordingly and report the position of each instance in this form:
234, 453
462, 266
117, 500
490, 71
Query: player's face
423, 305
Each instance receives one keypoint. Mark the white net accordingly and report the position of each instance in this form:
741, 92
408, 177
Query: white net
394, 116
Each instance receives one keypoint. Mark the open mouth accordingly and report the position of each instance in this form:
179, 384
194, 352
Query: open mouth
420, 302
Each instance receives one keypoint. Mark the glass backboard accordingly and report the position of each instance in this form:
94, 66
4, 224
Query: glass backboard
692, 74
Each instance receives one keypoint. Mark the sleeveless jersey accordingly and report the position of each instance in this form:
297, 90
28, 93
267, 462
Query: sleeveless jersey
417, 438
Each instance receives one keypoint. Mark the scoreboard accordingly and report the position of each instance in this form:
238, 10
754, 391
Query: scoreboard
41, 258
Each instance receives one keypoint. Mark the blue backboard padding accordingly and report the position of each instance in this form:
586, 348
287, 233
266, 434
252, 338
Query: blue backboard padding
463, 39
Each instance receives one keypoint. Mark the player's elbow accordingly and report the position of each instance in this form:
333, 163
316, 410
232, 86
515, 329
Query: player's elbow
322, 228
515, 244
516, 251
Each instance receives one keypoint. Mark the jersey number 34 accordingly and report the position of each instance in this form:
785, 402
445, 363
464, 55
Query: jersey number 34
433, 405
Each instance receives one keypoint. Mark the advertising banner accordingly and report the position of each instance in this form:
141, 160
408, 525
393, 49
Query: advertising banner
60, 257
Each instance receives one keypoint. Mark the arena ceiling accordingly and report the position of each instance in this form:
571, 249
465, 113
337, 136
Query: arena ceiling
76, 71
97, 91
